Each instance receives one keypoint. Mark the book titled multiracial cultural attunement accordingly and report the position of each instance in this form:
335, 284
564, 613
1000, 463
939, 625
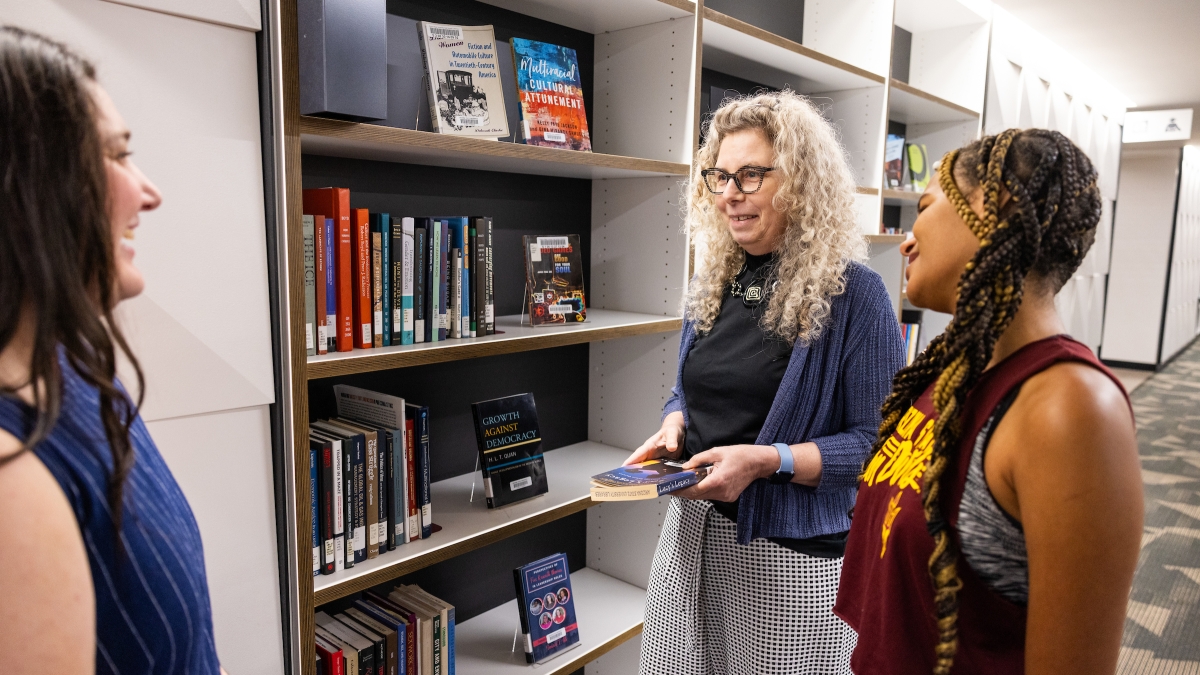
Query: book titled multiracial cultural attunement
463, 74
510, 449
554, 279
552, 112
547, 607
647, 480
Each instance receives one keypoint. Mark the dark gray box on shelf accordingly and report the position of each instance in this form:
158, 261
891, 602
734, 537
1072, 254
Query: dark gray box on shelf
343, 58
785, 19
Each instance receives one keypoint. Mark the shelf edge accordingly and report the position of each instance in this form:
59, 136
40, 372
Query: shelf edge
403, 567
920, 93
468, 349
582, 659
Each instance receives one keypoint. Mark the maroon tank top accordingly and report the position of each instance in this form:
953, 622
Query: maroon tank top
886, 593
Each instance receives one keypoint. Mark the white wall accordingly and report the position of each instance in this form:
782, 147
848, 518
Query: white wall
1183, 295
189, 91
1141, 245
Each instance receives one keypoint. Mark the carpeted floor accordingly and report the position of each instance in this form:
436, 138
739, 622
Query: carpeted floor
1162, 631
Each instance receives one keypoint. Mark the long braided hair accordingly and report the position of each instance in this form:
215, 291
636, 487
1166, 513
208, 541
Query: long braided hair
1045, 229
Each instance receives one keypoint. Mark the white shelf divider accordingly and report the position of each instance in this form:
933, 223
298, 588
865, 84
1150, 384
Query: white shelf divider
609, 612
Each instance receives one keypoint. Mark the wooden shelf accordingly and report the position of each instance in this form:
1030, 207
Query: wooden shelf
735, 47
900, 197
914, 106
609, 612
335, 138
594, 17
468, 525
887, 238
866, 190
602, 324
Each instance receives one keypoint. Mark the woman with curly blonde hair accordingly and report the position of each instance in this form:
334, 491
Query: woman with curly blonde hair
788, 350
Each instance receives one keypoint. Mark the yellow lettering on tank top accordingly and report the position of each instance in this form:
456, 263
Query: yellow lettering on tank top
901, 462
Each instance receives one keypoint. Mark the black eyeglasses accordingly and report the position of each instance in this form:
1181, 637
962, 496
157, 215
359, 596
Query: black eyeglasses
749, 179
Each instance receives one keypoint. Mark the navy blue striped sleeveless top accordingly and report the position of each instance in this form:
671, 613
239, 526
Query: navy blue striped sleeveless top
152, 608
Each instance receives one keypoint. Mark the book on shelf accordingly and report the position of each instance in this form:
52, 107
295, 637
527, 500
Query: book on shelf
645, 480
310, 286
360, 241
911, 332
444, 613
554, 279
331, 496
331, 288
402, 281
376, 467
390, 621
381, 277
429, 630
334, 203
331, 656
919, 170
893, 161
354, 470
360, 651
510, 449
484, 227
420, 254
546, 604
314, 466
462, 71
414, 631
551, 95
419, 415
385, 414
320, 302
378, 642
444, 266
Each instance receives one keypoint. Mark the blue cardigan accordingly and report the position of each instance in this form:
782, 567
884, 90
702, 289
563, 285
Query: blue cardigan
831, 395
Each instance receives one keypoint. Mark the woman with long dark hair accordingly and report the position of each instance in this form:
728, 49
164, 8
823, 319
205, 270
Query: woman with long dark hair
101, 565
999, 518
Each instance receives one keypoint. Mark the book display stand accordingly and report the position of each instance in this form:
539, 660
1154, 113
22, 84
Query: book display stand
600, 385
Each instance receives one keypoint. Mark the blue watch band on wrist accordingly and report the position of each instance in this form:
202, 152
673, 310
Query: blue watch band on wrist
785, 472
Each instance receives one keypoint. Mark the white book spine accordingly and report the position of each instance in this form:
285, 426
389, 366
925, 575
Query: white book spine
339, 518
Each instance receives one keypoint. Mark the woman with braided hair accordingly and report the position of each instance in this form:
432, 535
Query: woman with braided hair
998, 520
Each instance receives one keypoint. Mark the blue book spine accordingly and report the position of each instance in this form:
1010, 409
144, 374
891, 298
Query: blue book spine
316, 535
330, 284
385, 227
450, 639
420, 417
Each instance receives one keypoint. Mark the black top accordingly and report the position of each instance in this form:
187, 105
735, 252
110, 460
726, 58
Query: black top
730, 379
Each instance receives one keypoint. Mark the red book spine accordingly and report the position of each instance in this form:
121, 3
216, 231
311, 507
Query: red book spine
334, 659
361, 242
345, 337
413, 528
322, 329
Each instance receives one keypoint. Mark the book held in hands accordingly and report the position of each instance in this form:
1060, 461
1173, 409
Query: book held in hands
645, 480
510, 449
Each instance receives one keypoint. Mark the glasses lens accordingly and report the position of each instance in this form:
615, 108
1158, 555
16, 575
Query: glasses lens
751, 179
716, 181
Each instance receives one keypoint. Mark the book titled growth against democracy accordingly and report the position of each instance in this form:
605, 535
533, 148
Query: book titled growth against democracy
552, 112
647, 480
547, 606
510, 449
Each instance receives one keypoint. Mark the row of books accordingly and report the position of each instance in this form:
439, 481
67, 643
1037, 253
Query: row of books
373, 280
405, 632
369, 478
906, 165
911, 332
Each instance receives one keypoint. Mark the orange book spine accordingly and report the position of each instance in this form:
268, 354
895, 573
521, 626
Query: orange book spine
360, 228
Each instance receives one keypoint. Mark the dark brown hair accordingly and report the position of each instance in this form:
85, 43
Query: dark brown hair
1045, 230
56, 248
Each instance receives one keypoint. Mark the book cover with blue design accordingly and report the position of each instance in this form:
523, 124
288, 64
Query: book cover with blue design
645, 480
552, 111
510, 449
547, 606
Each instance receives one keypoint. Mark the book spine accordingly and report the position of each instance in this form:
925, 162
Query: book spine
401, 495
432, 290
489, 297
389, 493
374, 221
444, 280
328, 563
385, 277
348, 503
339, 508
406, 281
450, 639
464, 286
455, 262
483, 465
314, 493
437, 643
360, 499
420, 250
384, 492
331, 299
361, 297
473, 278
426, 508
412, 525
430, 81
372, 498
321, 305
310, 288
345, 266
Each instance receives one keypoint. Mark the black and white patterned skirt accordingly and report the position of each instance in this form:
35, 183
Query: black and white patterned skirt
715, 607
